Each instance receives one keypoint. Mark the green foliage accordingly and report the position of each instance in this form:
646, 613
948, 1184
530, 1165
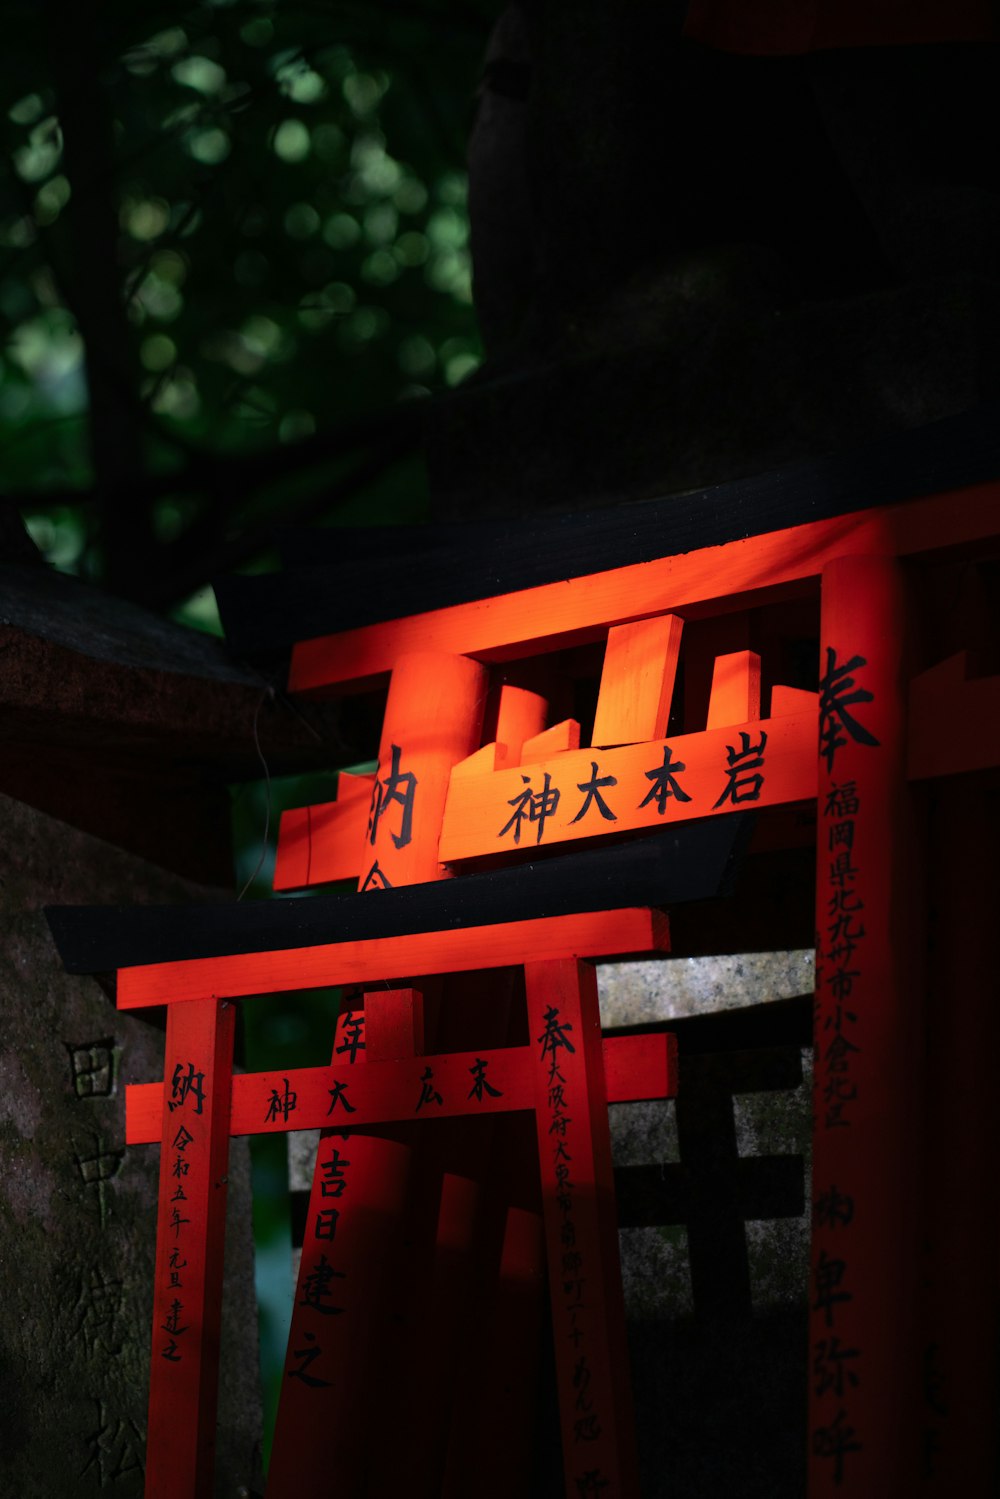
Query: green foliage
233, 247
282, 190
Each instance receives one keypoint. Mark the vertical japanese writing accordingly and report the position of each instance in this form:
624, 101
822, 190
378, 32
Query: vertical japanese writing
173, 1326
308, 1363
838, 691
835, 1362
841, 1401
398, 788
838, 956
556, 1043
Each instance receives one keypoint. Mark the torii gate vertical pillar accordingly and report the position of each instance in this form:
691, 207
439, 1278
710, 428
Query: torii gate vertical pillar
863, 1349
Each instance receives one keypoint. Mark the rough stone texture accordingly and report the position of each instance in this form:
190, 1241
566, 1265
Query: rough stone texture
636, 993
732, 1376
129, 726
78, 1209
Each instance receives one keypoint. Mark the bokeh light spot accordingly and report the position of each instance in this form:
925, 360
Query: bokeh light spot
291, 141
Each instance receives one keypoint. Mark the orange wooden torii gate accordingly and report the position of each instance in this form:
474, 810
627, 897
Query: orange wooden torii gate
887, 717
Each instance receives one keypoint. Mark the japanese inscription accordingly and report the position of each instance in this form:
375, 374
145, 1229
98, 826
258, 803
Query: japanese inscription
113, 1448
839, 947
173, 1327
588, 793
320, 1297
398, 788
838, 693
835, 1362
575, 1267
93, 1069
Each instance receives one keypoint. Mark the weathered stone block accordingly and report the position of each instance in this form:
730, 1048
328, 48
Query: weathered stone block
78, 1207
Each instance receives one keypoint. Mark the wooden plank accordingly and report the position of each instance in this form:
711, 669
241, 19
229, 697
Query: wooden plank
735, 694
275, 610
678, 863
564, 735
521, 716
637, 681
588, 793
786, 700
194, 1126
494, 1413
594, 934
319, 844
730, 576
868, 1101
954, 722
635, 1068
581, 1232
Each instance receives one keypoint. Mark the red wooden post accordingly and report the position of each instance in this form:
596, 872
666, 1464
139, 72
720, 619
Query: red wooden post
190, 1238
961, 1227
433, 719
336, 1324
494, 1413
581, 1230
863, 1411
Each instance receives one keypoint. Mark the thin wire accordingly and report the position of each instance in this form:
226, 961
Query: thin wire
267, 694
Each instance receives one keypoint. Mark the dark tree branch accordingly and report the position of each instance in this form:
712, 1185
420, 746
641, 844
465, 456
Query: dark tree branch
96, 295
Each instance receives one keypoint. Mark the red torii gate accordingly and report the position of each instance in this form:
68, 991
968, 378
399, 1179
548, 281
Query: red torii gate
881, 729
200, 1105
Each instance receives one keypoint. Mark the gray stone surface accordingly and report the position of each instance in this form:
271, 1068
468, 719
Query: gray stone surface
78, 1208
636, 993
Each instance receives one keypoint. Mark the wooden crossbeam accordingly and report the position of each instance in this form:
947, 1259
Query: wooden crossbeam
592, 935
692, 584
953, 721
591, 793
635, 1068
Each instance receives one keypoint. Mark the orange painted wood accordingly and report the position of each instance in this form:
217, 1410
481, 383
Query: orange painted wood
704, 641
864, 1369
323, 1426
564, 735
786, 700
453, 1180
521, 715
482, 761
637, 682
954, 722
592, 935
327, 1397
722, 772
581, 1231
194, 1127
391, 1026
579, 609
735, 694
433, 719
320, 843
494, 1412
636, 1067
